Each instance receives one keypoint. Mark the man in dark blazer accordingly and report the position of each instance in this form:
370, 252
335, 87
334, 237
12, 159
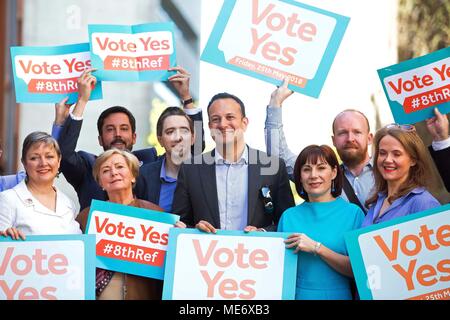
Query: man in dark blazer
438, 126
234, 187
176, 134
116, 128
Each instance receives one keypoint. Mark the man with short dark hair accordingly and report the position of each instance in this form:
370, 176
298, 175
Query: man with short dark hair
233, 187
116, 128
157, 180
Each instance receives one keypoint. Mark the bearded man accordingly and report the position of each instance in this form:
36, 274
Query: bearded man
351, 137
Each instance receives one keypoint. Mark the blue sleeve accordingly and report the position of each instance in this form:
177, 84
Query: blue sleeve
9, 182
276, 141
359, 218
424, 202
56, 131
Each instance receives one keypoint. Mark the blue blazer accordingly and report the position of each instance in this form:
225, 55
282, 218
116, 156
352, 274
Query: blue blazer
148, 184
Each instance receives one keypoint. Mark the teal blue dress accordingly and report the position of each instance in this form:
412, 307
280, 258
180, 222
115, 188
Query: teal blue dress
325, 222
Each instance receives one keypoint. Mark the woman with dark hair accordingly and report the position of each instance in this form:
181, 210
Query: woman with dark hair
402, 172
323, 270
35, 206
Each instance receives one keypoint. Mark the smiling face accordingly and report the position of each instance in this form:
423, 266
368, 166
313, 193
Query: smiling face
226, 122
115, 175
316, 179
41, 163
117, 132
393, 161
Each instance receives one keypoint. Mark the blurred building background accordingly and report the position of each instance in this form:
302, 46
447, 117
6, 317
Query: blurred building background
59, 22
380, 33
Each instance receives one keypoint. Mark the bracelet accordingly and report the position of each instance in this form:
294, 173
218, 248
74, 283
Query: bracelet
316, 248
187, 101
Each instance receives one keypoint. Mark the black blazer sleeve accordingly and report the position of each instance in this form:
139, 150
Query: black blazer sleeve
199, 143
283, 198
181, 200
73, 165
442, 160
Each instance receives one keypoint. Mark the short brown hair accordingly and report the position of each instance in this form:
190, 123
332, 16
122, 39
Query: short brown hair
168, 112
312, 154
130, 159
419, 174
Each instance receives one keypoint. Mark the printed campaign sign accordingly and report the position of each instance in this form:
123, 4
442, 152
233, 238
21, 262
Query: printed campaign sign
415, 87
129, 239
49, 74
59, 267
229, 265
270, 40
133, 53
405, 258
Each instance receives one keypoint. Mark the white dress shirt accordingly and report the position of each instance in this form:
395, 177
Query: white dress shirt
19, 209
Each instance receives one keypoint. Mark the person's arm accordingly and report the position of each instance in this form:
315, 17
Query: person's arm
61, 113
7, 218
438, 126
275, 139
10, 181
337, 261
180, 82
181, 199
73, 166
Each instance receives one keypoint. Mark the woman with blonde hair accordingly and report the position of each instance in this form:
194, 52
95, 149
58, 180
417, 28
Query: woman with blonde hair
116, 172
402, 173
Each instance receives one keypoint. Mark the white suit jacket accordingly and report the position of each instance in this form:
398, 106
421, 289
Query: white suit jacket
19, 209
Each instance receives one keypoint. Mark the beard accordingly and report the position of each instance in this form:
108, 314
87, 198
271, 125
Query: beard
127, 147
352, 154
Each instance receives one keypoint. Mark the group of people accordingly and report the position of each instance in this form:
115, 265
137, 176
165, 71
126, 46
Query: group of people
232, 187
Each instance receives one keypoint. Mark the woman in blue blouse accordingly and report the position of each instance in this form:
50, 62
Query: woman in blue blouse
401, 171
319, 225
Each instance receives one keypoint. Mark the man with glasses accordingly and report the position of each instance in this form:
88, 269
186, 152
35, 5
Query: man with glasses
351, 137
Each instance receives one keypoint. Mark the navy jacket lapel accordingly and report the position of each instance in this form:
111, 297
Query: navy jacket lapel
253, 183
207, 176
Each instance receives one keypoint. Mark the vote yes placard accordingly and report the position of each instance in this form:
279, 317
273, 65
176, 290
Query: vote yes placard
415, 87
47, 268
133, 53
273, 39
229, 265
405, 258
49, 74
129, 239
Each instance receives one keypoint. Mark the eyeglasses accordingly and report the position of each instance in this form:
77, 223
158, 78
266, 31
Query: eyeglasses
404, 127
